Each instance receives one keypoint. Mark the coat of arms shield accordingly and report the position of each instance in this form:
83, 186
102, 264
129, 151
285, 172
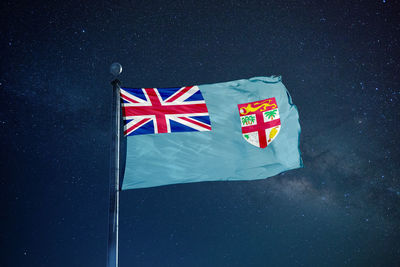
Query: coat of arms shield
260, 121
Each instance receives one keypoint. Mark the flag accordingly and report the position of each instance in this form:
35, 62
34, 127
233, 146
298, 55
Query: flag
164, 110
240, 130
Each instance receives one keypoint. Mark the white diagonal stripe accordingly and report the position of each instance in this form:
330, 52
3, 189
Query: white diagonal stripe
123, 92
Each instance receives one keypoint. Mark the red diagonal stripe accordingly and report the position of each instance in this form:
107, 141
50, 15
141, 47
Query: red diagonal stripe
136, 125
183, 91
196, 123
128, 98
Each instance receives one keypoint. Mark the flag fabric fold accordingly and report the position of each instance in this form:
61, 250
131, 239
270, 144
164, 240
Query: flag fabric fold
240, 130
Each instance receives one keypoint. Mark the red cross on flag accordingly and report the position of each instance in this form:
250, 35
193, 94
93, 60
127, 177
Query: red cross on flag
260, 121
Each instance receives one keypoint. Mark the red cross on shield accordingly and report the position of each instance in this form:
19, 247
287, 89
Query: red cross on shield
260, 121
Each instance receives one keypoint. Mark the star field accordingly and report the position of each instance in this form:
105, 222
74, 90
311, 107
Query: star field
339, 62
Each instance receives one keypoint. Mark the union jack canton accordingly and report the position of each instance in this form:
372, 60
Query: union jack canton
164, 110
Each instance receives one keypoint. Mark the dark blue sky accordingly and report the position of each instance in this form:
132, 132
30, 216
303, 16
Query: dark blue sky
338, 61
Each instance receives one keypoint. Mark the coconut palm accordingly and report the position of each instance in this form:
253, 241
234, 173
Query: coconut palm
248, 120
270, 114
252, 119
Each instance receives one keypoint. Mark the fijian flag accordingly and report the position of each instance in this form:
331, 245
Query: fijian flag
164, 110
243, 144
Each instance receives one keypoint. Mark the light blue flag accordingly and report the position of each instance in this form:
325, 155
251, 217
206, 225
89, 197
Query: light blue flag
247, 129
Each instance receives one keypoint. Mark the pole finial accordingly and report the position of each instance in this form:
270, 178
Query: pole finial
115, 69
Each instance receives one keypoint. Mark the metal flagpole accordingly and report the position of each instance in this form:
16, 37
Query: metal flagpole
112, 256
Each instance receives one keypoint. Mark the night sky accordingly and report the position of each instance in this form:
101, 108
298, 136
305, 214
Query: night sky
338, 60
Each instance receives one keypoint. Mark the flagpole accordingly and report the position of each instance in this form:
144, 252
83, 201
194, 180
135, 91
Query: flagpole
113, 219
